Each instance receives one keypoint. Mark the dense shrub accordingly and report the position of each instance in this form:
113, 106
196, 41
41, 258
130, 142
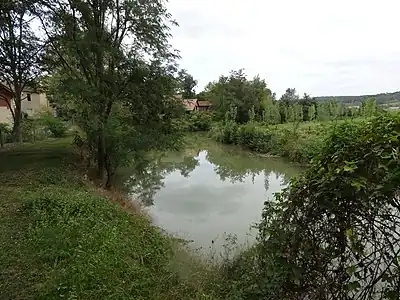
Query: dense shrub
334, 232
5, 132
33, 130
55, 126
299, 147
197, 121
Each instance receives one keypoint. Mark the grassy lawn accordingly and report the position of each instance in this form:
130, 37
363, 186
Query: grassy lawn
61, 240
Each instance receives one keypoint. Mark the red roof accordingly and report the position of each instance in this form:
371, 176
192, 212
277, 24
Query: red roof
189, 104
5, 90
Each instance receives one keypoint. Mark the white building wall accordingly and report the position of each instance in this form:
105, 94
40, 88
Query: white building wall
37, 103
5, 115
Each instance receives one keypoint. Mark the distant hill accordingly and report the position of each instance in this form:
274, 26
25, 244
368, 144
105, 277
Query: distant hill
390, 99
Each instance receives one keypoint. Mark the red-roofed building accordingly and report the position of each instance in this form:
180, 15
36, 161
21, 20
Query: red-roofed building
194, 104
203, 105
190, 104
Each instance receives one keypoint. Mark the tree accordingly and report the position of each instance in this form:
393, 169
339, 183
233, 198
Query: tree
288, 98
118, 70
270, 111
20, 55
323, 112
236, 90
306, 102
311, 113
291, 115
186, 84
369, 107
298, 112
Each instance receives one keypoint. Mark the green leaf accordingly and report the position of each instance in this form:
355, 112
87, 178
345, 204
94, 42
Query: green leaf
353, 286
351, 270
349, 233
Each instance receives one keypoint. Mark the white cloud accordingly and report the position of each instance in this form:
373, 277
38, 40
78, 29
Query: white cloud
342, 47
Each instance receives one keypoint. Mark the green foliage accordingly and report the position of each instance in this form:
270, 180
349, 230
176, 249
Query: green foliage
4, 132
344, 214
55, 126
119, 93
277, 140
71, 242
186, 85
78, 225
33, 130
368, 107
21, 51
312, 113
197, 121
237, 91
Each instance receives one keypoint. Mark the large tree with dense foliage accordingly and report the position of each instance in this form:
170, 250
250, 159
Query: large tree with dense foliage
116, 70
237, 91
21, 51
186, 84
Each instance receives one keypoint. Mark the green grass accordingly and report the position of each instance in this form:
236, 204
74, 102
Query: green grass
61, 240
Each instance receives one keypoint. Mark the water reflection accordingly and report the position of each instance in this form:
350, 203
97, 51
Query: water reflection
202, 193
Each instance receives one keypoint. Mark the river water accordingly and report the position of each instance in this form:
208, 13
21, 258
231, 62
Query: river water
210, 192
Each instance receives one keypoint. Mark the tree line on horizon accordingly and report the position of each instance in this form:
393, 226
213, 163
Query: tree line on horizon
254, 100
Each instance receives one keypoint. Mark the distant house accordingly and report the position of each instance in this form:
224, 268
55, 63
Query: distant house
194, 104
33, 102
203, 105
189, 104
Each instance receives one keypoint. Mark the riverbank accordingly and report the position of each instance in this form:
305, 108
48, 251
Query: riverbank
297, 142
61, 238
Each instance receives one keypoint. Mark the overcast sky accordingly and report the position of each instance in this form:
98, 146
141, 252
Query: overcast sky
341, 47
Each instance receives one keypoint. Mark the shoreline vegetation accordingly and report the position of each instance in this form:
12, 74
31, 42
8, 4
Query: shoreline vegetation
61, 237
109, 70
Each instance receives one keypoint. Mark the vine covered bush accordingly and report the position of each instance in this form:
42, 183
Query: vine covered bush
335, 232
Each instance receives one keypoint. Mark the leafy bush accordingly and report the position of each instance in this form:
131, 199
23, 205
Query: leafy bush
197, 121
4, 133
32, 130
56, 126
285, 142
333, 234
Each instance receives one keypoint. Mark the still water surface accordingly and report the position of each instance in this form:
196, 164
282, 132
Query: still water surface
210, 190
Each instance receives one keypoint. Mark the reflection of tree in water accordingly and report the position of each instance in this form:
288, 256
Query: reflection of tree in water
147, 181
230, 165
266, 180
235, 166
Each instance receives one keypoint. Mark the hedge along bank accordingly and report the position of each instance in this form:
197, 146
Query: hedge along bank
299, 144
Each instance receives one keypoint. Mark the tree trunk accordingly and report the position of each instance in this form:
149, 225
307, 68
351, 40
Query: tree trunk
1, 139
16, 131
101, 153
110, 173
